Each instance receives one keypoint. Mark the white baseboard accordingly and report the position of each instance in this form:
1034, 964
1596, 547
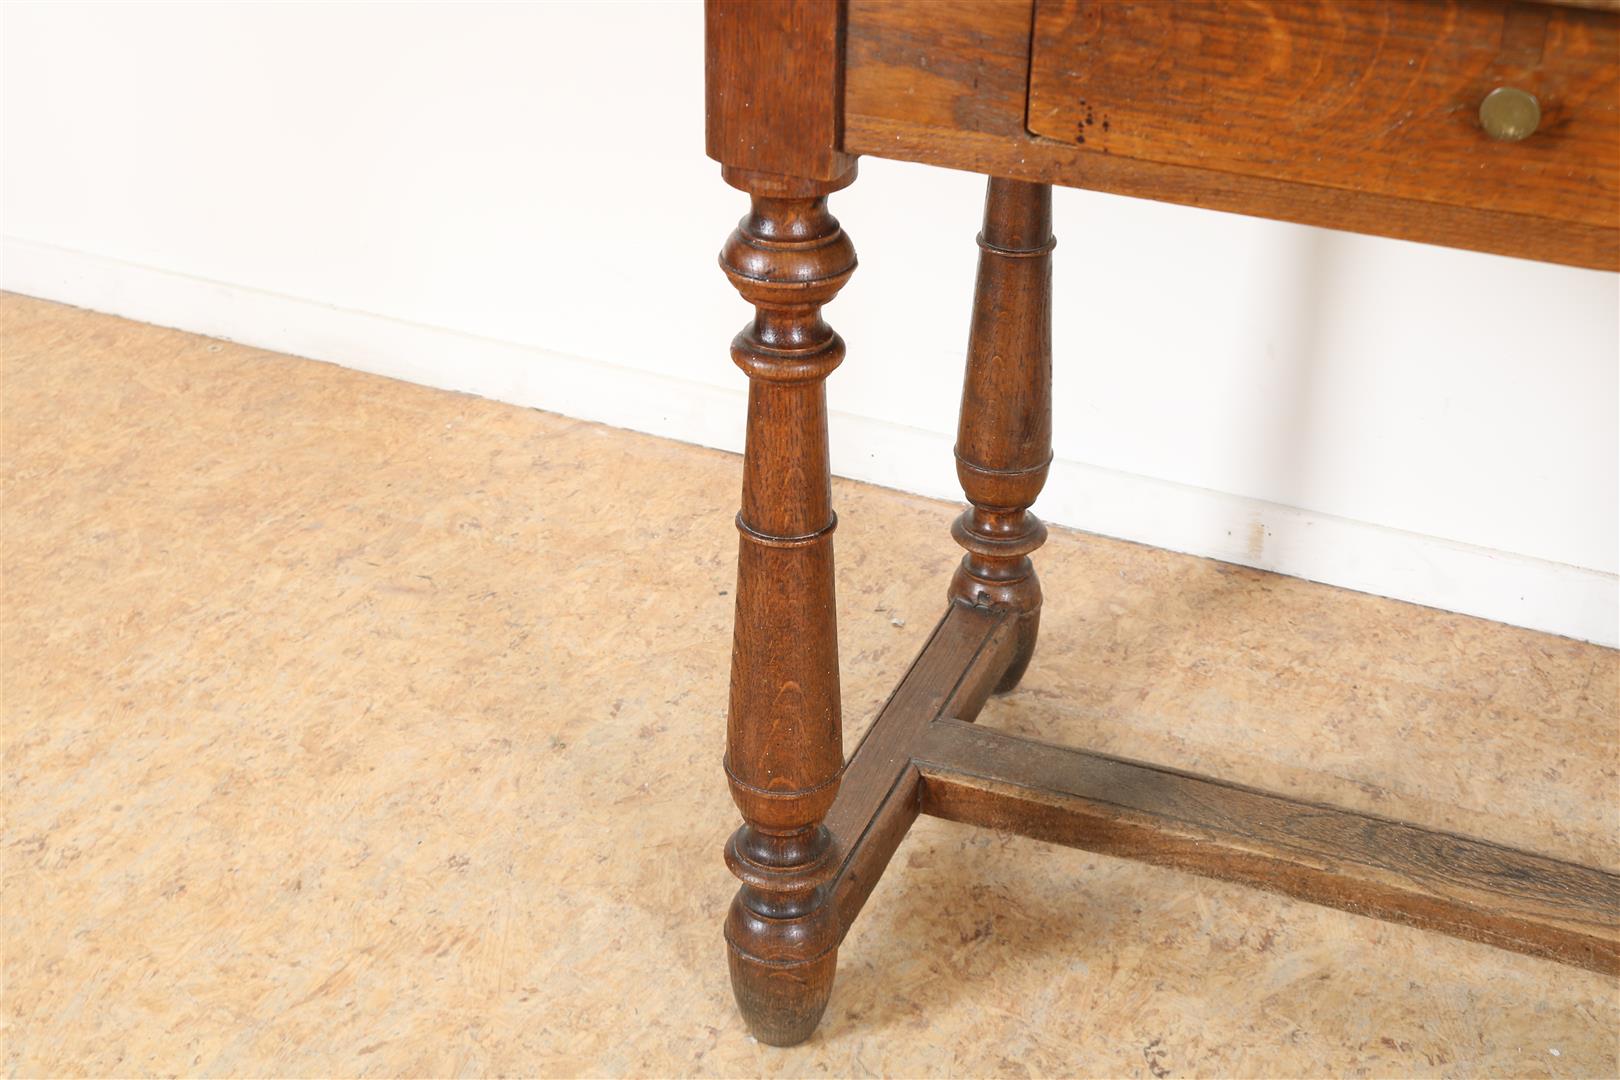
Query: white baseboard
1517, 589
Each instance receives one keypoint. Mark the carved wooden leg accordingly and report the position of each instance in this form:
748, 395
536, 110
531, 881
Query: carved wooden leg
1004, 437
784, 750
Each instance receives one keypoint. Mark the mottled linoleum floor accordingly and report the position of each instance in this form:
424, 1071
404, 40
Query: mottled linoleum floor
357, 728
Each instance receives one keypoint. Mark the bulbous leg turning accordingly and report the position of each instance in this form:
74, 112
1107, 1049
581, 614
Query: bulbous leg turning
781, 996
1004, 437
784, 747
1021, 595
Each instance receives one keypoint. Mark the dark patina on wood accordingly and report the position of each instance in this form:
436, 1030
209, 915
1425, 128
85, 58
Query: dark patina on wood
796, 88
947, 82
1357, 862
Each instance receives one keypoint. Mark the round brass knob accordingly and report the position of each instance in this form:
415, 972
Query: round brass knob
1509, 114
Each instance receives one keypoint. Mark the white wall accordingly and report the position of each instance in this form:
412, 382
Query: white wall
512, 199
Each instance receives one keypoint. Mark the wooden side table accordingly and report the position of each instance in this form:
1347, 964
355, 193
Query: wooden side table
1472, 123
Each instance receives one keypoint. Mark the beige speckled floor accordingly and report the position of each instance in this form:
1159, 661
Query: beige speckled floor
353, 727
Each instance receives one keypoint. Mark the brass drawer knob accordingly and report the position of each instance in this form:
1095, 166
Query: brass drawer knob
1509, 114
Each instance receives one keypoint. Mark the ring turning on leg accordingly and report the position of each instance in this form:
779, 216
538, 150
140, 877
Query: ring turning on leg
1004, 437
784, 748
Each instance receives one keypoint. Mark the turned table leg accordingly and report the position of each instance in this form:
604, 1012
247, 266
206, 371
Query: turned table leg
784, 750
1004, 437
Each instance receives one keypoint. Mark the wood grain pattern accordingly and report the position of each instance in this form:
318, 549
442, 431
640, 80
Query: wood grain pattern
951, 65
1368, 865
945, 83
773, 79
784, 747
1594, 5
1362, 97
1004, 430
952, 676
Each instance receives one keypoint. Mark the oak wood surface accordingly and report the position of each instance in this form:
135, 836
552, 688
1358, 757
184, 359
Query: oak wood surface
1594, 5
1004, 429
945, 83
1376, 97
952, 676
1357, 862
784, 747
797, 88
774, 86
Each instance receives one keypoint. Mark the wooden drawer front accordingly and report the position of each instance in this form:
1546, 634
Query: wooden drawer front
1378, 97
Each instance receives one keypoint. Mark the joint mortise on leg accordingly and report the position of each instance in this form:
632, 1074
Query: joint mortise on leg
1004, 437
784, 746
